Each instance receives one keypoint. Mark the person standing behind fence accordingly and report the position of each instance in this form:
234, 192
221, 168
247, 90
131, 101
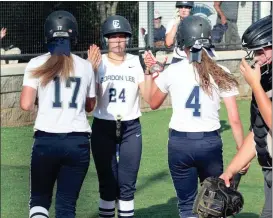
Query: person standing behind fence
66, 90
196, 86
183, 10
119, 79
228, 15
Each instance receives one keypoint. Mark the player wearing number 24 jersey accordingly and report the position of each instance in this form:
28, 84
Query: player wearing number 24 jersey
119, 80
65, 86
196, 86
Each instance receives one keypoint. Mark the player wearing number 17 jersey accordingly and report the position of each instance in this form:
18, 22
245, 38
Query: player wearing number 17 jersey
65, 86
119, 79
196, 86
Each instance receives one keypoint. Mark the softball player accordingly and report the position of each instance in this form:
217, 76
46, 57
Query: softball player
196, 86
66, 89
183, 10
257, 39
119, 79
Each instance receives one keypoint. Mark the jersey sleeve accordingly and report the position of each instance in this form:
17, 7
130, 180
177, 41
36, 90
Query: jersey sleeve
162, 81
91, 92
28, 79
233, 92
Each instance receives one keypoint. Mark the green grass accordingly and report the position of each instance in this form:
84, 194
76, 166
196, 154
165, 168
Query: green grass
155, 196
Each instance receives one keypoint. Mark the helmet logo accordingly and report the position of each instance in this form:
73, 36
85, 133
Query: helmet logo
116, 24
202, 35
243, 43
59, 27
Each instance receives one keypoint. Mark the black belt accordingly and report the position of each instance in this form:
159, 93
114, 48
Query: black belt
49, 134
185, 134
109, 122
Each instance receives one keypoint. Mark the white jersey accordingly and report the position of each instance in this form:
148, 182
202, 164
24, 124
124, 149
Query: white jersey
177, 53
193, 109
61, 107
118, 92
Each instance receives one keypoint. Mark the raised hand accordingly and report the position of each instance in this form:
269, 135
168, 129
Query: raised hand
94, 56
3, 32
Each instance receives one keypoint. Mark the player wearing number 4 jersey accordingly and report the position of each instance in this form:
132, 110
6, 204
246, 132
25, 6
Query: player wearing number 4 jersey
196, 86
65, 85
119, 79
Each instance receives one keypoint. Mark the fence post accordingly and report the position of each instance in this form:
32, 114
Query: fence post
150, 23
255, 11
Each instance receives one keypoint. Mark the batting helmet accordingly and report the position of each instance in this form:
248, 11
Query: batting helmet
258, 35
193, 29
180, 4
60, 24
115, 24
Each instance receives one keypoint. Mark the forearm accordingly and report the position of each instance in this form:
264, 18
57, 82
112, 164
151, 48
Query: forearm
238, 133
147, 88
171, 36
246, 153
264, 104
218, 9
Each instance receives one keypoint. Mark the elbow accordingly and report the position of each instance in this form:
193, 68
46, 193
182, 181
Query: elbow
154, 106
26, 106
90, 105
168, 42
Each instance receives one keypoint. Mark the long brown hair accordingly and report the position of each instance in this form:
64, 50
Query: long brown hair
56, 65
207, 67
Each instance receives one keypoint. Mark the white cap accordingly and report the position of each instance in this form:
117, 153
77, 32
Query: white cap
157, 15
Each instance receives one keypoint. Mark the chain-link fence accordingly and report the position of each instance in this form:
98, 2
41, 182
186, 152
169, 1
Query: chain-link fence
25, 21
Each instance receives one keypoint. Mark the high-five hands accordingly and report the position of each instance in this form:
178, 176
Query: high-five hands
94, 56
152, 65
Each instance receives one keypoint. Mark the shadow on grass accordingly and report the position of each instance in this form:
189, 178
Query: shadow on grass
149, 181
224, 125
168, 210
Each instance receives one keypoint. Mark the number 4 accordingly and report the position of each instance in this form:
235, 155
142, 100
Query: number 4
194, 96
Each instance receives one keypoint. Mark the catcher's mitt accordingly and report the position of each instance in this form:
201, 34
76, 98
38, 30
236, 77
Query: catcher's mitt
216, 200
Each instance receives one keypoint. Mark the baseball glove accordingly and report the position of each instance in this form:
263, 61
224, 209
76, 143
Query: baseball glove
216, 200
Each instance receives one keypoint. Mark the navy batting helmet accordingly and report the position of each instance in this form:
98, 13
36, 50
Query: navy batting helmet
115, 24
60, 24
180, 4
258, 35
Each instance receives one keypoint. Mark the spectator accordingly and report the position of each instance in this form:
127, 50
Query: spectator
159, 31
227, 17
9, 50
183, 10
